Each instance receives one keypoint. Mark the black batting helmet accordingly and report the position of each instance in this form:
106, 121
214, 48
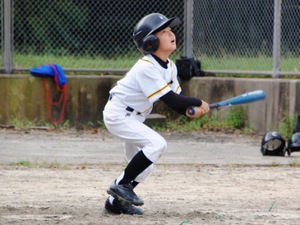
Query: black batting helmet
143, 32
294, 143
294, 140
273, 143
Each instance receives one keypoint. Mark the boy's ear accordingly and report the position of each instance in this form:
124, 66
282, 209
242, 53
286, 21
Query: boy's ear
150, 44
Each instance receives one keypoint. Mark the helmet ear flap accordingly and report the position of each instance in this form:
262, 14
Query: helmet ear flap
150, 44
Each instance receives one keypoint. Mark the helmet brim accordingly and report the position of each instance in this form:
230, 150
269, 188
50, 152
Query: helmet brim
172, 22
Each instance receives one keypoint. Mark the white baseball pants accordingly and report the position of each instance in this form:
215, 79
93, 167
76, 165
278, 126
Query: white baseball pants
136, 135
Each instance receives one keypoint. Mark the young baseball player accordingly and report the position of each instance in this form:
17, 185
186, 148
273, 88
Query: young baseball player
152, 78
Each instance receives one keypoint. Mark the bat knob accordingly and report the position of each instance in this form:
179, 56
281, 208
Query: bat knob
191, 110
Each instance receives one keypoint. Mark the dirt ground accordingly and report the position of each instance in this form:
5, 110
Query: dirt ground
174, 194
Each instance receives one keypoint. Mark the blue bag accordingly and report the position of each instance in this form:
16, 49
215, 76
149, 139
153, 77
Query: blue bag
52, 70
55, 71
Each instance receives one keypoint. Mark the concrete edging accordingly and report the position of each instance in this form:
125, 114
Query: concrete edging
22, 96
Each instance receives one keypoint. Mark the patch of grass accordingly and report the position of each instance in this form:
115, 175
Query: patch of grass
30, 124
287, 125
24, 163
234, 119
55, 165
64, 125
127, 60
257, 63
31, 60
247, 130
23, 123
294, 163
101, 124
52, 165
275, 164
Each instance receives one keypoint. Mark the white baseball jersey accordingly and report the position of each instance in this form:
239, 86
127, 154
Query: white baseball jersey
145, 83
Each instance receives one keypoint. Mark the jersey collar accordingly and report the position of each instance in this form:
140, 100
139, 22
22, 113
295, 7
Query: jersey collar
161, 62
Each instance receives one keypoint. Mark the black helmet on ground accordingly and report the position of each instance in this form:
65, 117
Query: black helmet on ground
294, 140
294, 143
273, 144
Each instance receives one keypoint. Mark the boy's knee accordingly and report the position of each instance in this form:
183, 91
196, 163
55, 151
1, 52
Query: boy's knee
163, 145
155, 152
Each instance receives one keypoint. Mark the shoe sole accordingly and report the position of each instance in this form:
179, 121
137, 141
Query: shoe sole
119, 213
115, 195
111, 212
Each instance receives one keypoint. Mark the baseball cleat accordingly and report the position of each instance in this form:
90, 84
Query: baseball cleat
124, 192
119, 207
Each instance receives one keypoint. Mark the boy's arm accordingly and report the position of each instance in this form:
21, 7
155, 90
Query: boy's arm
180, 103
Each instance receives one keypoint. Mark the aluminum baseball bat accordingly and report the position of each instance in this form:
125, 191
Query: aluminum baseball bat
245, 98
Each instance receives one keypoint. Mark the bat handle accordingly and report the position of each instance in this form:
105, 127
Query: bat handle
214, 106
191, 110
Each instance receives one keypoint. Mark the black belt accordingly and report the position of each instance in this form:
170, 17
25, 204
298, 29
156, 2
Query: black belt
128, 108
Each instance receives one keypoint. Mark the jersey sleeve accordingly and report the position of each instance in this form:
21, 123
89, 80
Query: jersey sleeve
152, 83
180, 103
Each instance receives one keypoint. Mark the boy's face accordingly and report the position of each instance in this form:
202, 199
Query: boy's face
167, 40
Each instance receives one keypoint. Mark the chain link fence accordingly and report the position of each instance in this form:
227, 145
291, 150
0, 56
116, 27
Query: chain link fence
82, 35
237, 35
233, 36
